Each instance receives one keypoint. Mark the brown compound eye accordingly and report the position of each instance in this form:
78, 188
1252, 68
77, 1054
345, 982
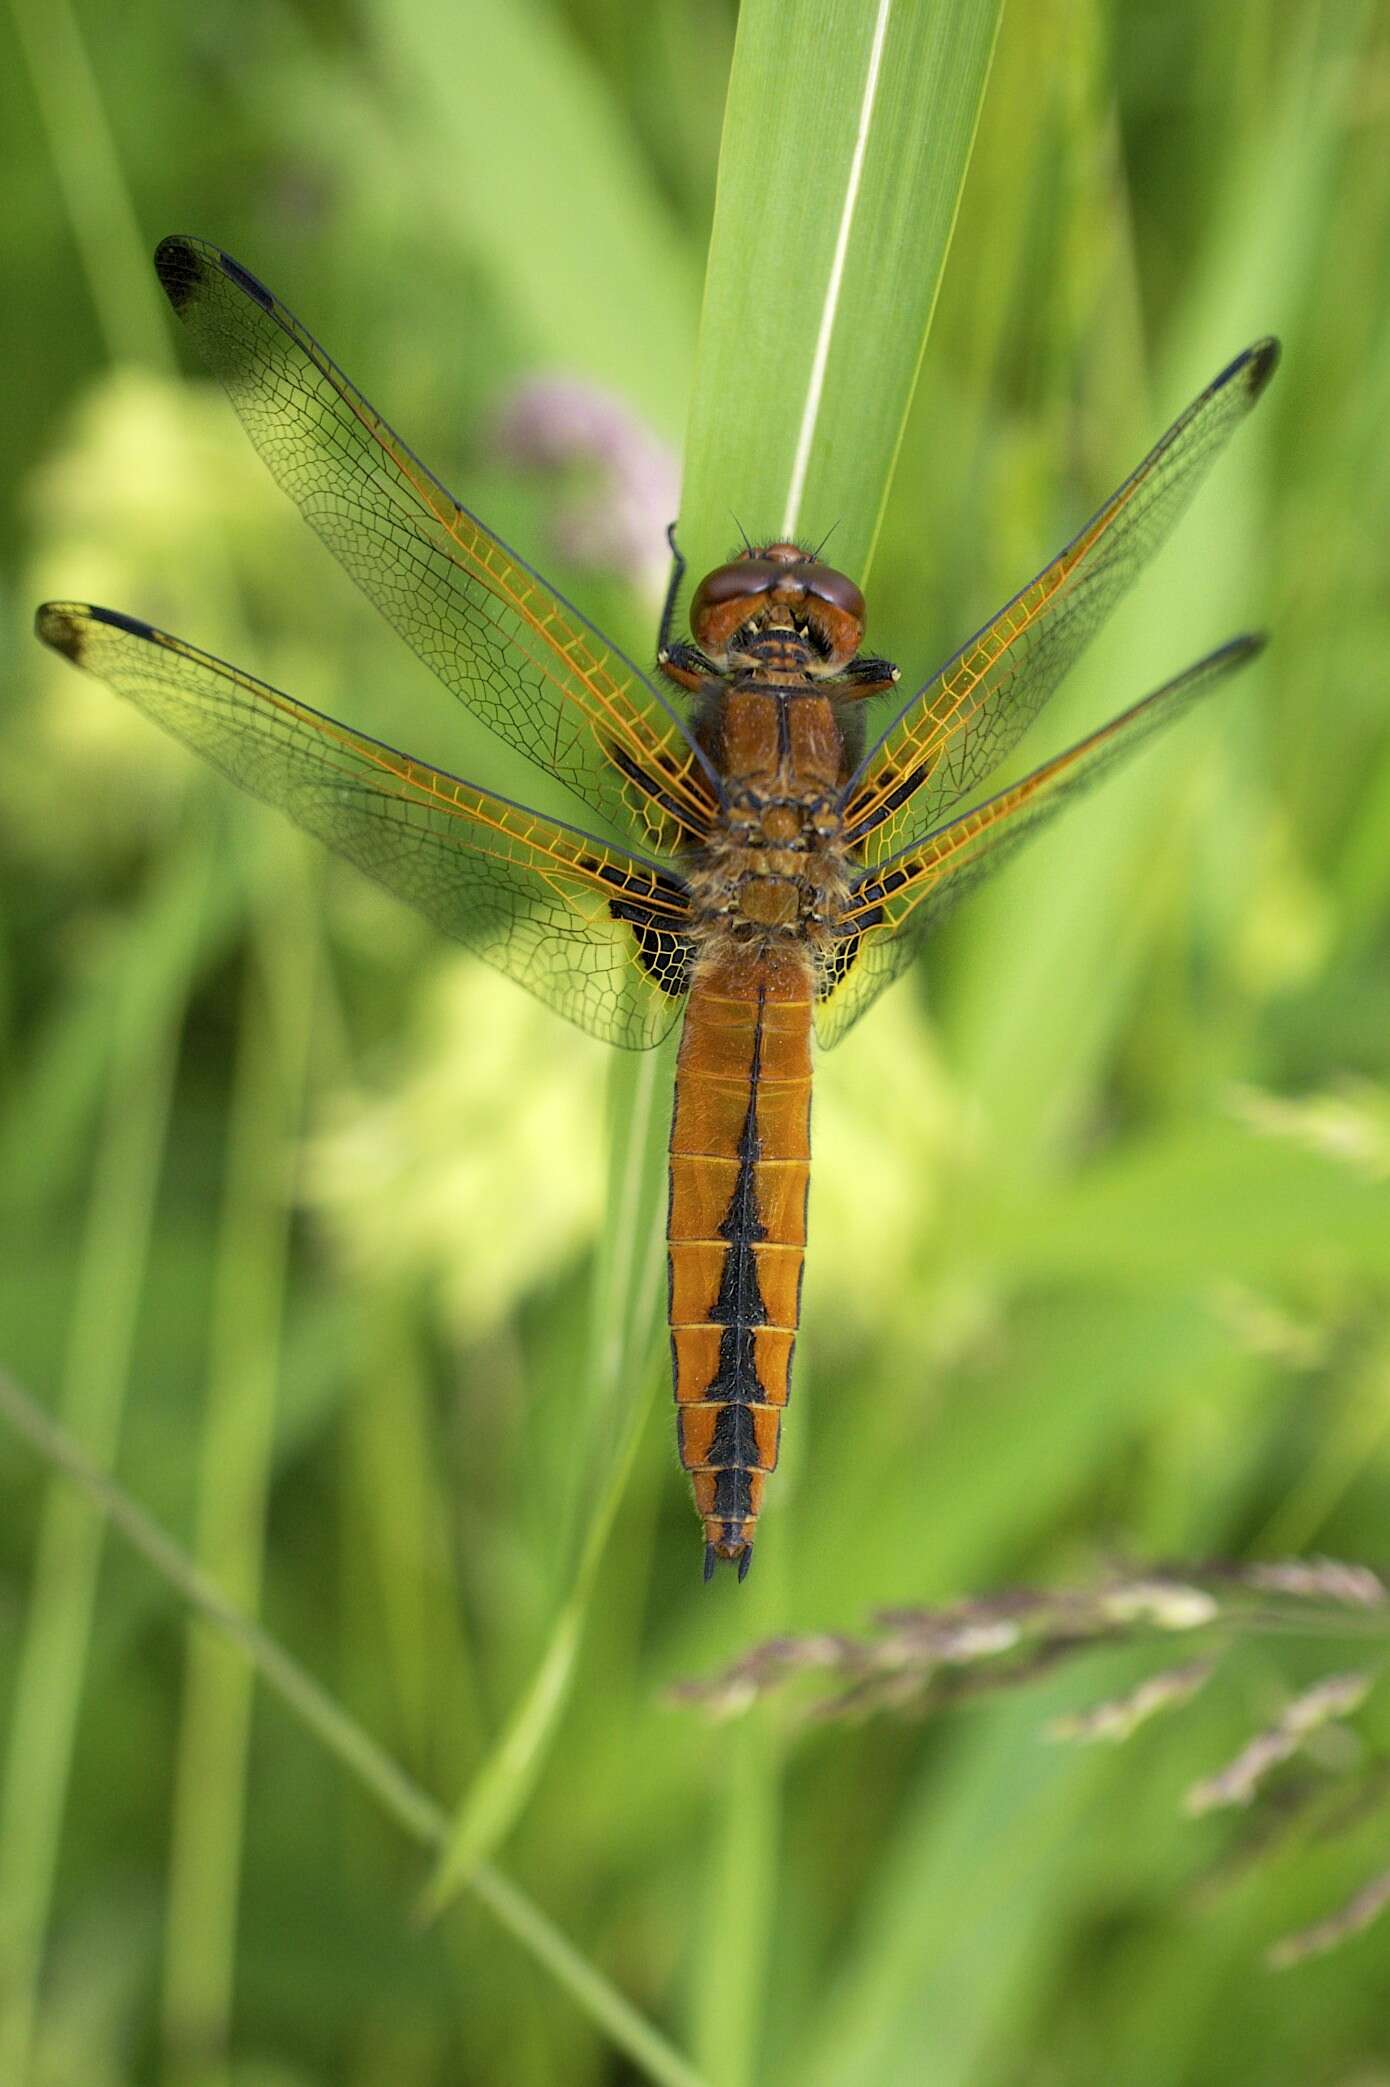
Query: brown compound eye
828, 602
836, 608
727, 597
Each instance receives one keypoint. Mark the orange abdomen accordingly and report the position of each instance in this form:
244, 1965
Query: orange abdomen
740, 1167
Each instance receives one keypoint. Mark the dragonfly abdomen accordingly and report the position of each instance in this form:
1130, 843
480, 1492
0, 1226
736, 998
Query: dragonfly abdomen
740, 1166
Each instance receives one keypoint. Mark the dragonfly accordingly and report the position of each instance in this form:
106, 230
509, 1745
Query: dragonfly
746, 858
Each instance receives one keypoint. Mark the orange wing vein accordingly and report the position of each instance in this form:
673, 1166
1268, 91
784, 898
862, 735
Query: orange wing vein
595, 931
958, 727
895, 905
498, 636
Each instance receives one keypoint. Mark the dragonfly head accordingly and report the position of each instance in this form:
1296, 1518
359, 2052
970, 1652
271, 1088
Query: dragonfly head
779, 587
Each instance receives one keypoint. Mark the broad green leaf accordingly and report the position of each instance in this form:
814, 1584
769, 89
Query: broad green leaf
846, 140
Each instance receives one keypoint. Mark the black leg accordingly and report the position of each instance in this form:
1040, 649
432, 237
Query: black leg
686, 665
668, 613
866, 676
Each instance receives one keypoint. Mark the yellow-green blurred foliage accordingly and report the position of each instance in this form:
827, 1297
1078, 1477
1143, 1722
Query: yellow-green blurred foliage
301, 1208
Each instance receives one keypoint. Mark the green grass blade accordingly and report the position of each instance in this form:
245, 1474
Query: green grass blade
918, 80
847, 136
52, 1106
355, 1749
622, 1328
238, 1438
738, 1938
87, 164
57, 1637
1051, 956
620, 305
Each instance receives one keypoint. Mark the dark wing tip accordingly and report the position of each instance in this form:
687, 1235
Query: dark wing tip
1251, 369
244, 280
1263, 362
63, 625
115, 617
181, 269
711, 1556
182, 266
58, 624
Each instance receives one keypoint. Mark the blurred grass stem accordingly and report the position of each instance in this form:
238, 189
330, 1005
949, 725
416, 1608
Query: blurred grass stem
620, 1380
55, 1649
415, 1811
238, 1440
88, 169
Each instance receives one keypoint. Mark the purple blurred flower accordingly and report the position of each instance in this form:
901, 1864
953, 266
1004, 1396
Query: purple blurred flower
616, 523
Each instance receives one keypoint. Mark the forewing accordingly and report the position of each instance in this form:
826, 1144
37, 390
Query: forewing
895, 905
595, 932
950, 735
494, 632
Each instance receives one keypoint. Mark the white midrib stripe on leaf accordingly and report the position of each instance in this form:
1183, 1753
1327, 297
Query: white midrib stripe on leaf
811, 410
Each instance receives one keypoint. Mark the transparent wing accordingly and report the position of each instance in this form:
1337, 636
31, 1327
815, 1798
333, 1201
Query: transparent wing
895, 905
957, 728
495, 633
593, 931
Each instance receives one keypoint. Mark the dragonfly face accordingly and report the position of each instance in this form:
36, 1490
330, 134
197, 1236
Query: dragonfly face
782, 588
760, 871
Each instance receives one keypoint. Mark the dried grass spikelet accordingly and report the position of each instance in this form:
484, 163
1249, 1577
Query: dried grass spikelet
1364, 1906
1336, 1696
983, 1641
915, 1661
1119, 1717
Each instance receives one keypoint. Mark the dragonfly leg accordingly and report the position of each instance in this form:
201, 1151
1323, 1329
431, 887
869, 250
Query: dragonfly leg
867, 676
668, 612
686, 665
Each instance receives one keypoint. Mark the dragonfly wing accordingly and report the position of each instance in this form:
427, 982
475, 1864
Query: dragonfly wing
957, 728
895, 905
499, 638
595, 932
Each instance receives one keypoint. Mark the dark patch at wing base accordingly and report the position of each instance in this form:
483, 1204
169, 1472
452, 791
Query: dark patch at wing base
893, 908
839, 960
663, 954
666, 958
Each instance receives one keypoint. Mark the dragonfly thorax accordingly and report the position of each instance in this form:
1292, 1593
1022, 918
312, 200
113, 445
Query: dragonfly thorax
773, 870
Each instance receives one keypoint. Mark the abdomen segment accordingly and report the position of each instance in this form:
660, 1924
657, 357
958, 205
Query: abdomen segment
740, 1167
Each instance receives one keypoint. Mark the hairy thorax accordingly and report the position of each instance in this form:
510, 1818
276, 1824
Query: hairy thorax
773, 872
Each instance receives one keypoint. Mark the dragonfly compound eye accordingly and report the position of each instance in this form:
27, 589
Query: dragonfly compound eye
782, 577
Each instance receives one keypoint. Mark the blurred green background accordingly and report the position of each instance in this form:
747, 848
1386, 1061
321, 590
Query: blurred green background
304, 1213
